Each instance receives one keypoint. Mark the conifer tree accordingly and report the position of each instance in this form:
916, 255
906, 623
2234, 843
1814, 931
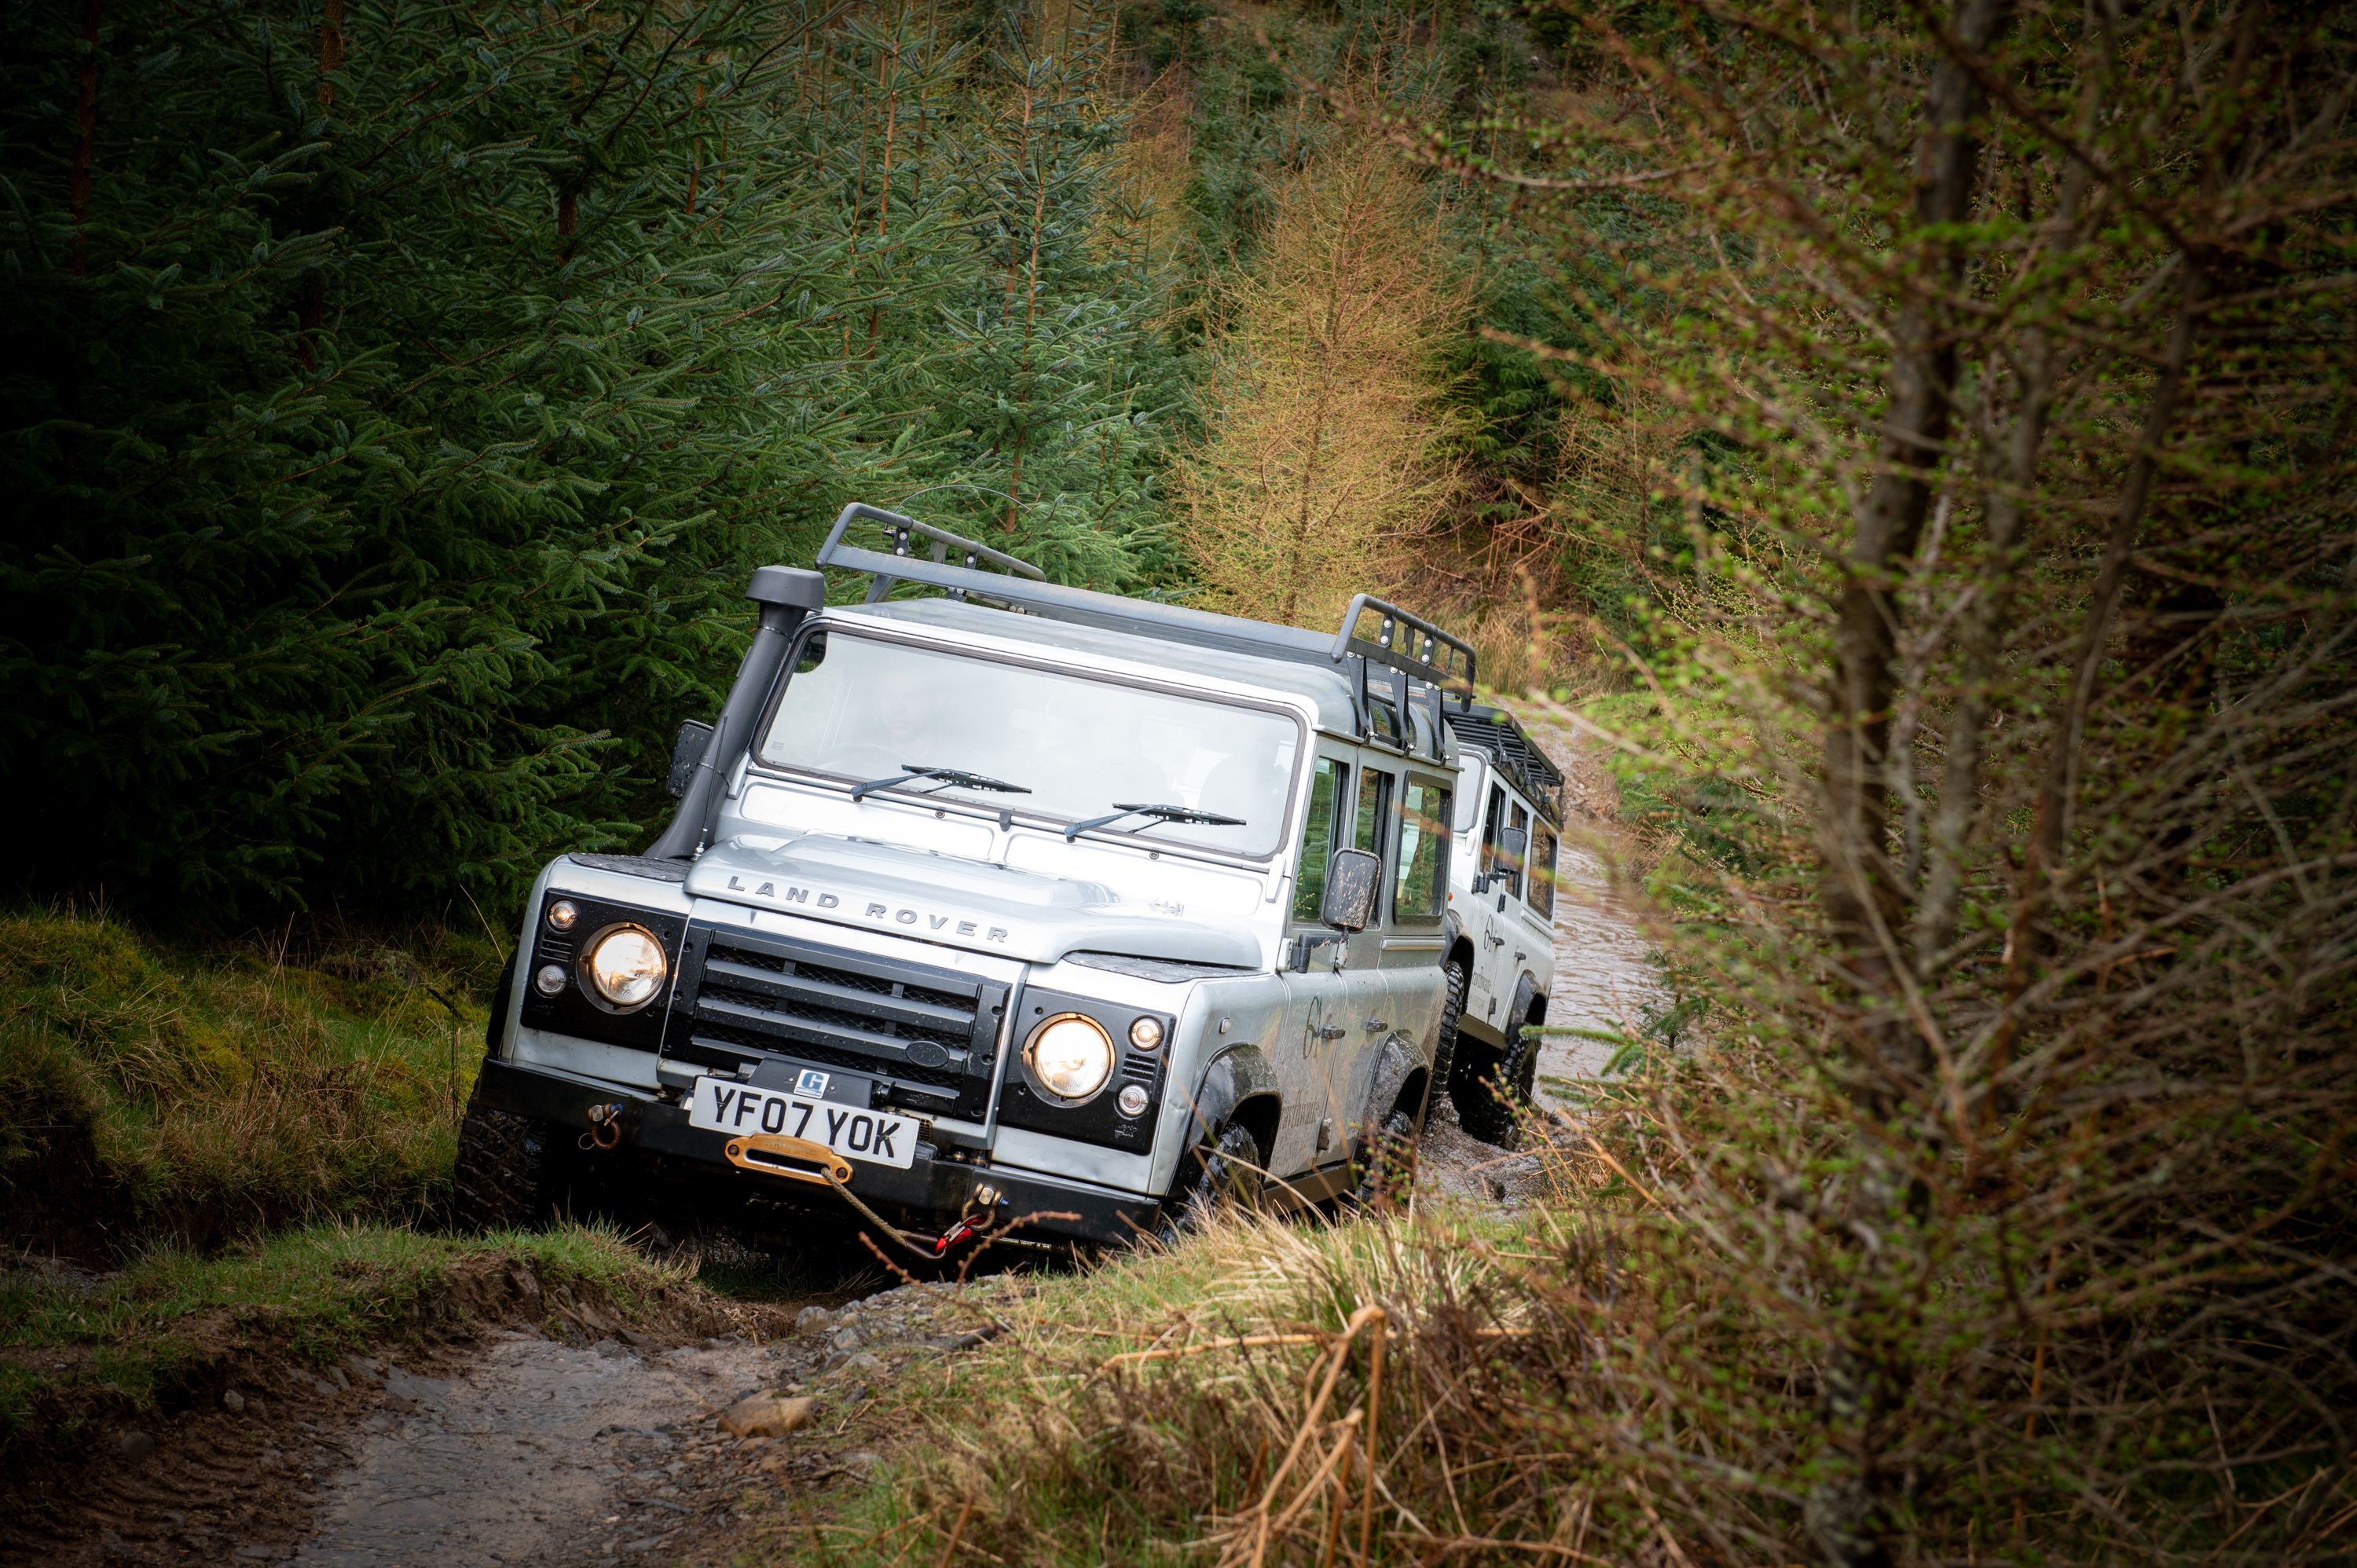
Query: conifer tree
1326, 455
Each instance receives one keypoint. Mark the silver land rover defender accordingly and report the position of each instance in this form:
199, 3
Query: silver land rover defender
1020, 904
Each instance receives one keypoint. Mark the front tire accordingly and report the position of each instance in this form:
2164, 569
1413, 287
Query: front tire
513, 1173
1487, 1102
1221, 1170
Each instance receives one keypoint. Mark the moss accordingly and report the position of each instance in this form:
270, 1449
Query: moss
206, 1091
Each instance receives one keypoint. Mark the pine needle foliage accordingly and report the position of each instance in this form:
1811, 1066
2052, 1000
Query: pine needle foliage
1325, 457
399, 394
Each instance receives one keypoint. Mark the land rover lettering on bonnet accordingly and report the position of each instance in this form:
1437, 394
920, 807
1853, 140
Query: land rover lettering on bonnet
993, 905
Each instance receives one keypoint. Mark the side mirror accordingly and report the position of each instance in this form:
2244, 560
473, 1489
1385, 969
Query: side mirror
687, 756
1354, 878
1514, 843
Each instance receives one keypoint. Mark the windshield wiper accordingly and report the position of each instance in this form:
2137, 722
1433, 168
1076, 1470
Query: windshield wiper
1166, 813
948, 777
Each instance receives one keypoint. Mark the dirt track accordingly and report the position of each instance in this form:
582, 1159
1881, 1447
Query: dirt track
599, 1445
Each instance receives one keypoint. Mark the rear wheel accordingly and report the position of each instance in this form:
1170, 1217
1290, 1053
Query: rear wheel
1486, 1101
1387, 1162
1222, 1169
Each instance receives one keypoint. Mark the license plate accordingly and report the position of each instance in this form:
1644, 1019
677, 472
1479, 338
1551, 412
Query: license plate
880, 1137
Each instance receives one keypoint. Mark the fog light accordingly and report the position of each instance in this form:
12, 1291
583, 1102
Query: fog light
1145, 1034
551, 979
1132, 1100
562, 914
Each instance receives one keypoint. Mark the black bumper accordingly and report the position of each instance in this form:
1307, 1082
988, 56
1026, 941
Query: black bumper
932, 1188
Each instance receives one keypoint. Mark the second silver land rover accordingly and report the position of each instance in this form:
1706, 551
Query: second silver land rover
1018, 902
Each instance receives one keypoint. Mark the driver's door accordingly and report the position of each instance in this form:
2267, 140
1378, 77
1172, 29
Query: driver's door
1322, 1050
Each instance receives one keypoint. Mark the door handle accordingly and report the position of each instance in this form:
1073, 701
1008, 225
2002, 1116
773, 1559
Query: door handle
1334, 1032
1520, 955
1493, 942
1372, 1025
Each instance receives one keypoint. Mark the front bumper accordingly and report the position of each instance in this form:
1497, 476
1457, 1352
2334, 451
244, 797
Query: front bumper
935, 1189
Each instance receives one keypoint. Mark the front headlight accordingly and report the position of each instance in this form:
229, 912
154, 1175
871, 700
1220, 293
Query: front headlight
1070, 1056
627, 967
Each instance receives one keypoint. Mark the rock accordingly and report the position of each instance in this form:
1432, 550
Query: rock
866, 1361
846, 1339
814, 1320
136, 1446
767, 1415
233, 1402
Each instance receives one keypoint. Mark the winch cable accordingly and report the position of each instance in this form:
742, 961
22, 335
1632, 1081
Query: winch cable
909, 1240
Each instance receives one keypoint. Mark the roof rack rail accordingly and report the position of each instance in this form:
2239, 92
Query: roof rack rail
1412, 649
1530, 769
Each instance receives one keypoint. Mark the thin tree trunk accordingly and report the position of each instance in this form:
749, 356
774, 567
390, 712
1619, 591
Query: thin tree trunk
1861, 900
85, 139
884, 200
331, 48
1870, 1379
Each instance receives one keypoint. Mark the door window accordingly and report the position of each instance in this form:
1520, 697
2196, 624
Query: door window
1319, 835
1513, 863
1542, 869
1493, 825
1375, 812
1421, 854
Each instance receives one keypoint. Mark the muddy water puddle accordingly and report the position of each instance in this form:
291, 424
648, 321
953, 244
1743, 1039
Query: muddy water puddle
522, 1459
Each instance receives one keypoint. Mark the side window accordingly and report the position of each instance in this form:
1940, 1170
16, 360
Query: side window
1421, 858
1513, 863
1319, 836
1367, 830
1542, 869
1493, 822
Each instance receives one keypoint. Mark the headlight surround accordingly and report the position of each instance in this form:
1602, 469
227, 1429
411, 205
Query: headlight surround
626, 967
1070, 1056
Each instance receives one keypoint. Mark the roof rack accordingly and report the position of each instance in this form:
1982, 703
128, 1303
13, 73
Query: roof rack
1413, 649
1530, 769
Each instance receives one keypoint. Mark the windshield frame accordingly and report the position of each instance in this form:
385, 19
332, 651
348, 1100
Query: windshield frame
1009, 809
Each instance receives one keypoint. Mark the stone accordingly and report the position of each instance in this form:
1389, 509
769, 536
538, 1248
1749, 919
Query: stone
767, 1415
866, 1361
232, 1402
814, 1320
846, 1339
136, 1446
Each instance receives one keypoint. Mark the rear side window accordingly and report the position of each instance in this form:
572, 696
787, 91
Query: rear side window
1542, 869
1319, 836
1519, 822
1367, 831
1421, 857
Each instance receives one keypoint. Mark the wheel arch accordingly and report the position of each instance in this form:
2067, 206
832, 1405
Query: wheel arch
1238, 1085
1401, 1078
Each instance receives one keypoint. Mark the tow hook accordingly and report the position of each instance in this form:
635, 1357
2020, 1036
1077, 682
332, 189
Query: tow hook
970, 1223
604, 1126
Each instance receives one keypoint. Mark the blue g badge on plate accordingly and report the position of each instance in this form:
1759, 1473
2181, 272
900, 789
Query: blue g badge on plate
811, 1083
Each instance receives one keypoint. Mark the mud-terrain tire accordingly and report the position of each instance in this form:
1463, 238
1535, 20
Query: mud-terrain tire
1223, 1168
513, 1173
1386, 1163
1444, 1053
1486, 1101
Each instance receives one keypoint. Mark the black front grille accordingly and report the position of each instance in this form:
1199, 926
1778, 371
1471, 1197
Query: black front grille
932, 1032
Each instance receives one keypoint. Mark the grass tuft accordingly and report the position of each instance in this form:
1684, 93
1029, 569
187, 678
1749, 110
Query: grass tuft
210, 1090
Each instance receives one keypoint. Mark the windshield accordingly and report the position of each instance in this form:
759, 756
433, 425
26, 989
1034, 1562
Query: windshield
860, 708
